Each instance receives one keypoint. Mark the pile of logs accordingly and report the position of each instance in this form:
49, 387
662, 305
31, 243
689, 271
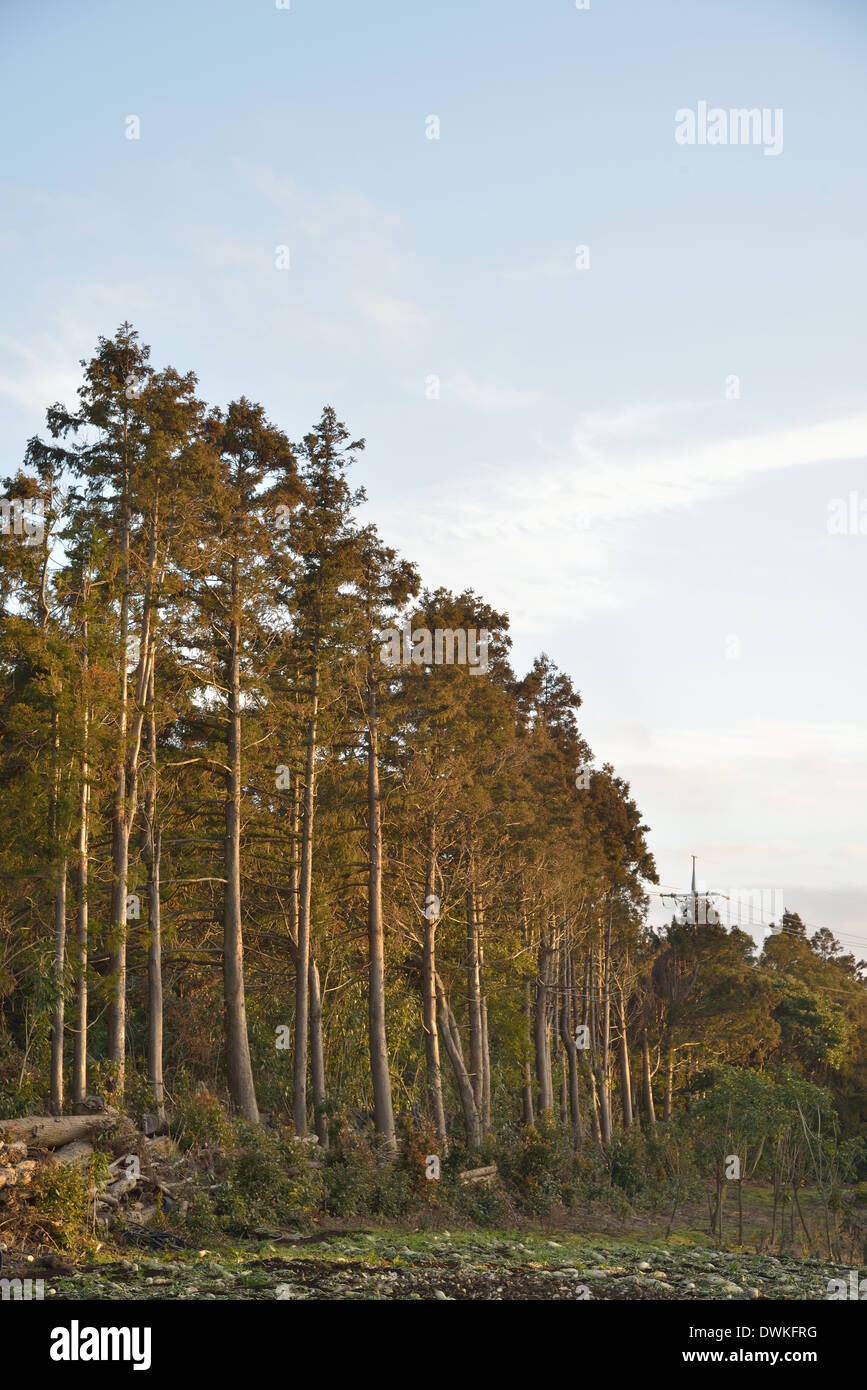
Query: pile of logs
475, 1177
16, 1169
69, 1140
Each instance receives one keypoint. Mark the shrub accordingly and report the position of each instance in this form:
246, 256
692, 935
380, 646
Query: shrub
269, 1179
363, 1179
537, 1166
200, 1119
60, 1203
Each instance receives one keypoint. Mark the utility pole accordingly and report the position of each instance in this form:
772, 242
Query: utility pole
689, 904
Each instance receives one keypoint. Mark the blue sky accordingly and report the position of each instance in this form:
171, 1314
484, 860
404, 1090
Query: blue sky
583, 466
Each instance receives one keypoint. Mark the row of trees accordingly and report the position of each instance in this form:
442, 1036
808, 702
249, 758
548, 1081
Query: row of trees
213, 787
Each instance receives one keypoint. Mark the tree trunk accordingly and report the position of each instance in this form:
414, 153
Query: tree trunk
79, 1059
625, 1075
474, 1002
238, 1066
568, 1038
59, 990
452, 1039
155, 982
649, 1112
602, 1064
382, 1103
428, 991
527, 1088
302, 969
152, 845
119, 840
589, 1012
669, 1082
541, 1029
126, 793
51, 1131
486, 1049
317, 1056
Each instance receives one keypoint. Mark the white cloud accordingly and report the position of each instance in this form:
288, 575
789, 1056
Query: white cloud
547, 536
554, 268
487, 395
34, 380
397, 322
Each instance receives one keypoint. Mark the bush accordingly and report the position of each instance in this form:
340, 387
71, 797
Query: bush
60, 1202
18, 1092
200, 1119
362, 1179
269, 1180
537, 1166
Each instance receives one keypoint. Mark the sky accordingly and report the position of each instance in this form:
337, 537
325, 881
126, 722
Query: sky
611, 381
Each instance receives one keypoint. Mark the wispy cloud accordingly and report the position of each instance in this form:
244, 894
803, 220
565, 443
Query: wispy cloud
490, 395
398, 322
553, 268
546, 535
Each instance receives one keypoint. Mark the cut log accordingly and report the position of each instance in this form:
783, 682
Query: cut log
19, 1175
54, 1131
13, 1153
89, 1105
120, 1188
479, 1175
78, 1153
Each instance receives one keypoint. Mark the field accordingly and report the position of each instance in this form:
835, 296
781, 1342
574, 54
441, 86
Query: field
636, 1262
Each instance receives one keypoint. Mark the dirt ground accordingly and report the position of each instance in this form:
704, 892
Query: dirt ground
398, 1265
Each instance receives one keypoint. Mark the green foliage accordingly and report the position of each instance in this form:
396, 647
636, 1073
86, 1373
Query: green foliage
268, 1180
60, 1201
199, 1119
19, 1092
362, 1179
537, 1165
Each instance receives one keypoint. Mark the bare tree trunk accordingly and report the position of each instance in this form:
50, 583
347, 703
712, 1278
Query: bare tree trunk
527, 1088
589, 1002
486, 1049
238, 1065
649, 1112
116, 1023
294, 867
541, 1028
474, 1003
152, 848
79, 1059
59, 990
383, 1110
116, 1046
602, 1064
669, 1081
452, 1039
302, 969
155, 982
317, 1056
625, 1075
126, 796
568, 1037
428, 990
